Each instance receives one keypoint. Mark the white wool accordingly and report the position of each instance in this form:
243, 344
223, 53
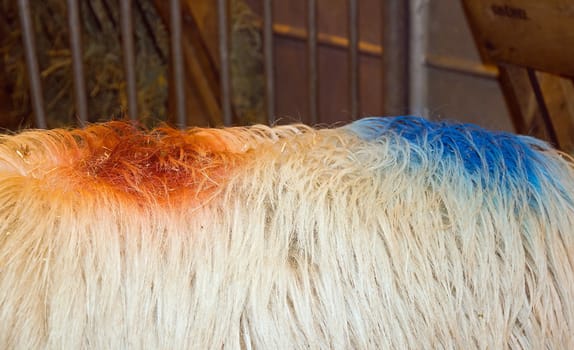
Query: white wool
320, 240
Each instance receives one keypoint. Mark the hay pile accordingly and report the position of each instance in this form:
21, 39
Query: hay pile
246, 63
103, 63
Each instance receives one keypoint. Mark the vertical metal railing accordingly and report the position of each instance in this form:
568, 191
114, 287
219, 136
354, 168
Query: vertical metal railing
269, 60
77, 61
177, 62
129, 57
418, 40
354, 74
395, 70
225, 79
313, 80
128, 47
29, 43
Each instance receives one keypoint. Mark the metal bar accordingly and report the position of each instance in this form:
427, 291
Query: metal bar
223, 12
77, 64
553, 138
129, 57
395, 56
268, 53
354, 77
32, 64
418, 37
177, 62
312, 61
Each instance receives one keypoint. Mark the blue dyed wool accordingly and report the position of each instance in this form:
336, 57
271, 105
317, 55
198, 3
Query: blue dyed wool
493, 156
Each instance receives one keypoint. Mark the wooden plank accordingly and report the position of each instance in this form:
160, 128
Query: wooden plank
531, 33
526, 114
559, 97
325, 39
460, 65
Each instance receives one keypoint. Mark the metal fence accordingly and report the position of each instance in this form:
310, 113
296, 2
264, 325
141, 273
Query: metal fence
394, 37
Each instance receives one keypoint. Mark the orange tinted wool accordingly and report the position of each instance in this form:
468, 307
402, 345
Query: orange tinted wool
158, 164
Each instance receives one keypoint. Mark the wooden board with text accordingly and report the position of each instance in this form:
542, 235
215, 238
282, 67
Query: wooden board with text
531, 33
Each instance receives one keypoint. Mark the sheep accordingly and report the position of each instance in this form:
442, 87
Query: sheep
386, 233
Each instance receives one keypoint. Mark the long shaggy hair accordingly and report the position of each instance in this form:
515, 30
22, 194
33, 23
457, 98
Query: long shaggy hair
394, 233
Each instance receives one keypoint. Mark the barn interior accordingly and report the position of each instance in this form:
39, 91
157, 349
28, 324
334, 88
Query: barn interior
504, 65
